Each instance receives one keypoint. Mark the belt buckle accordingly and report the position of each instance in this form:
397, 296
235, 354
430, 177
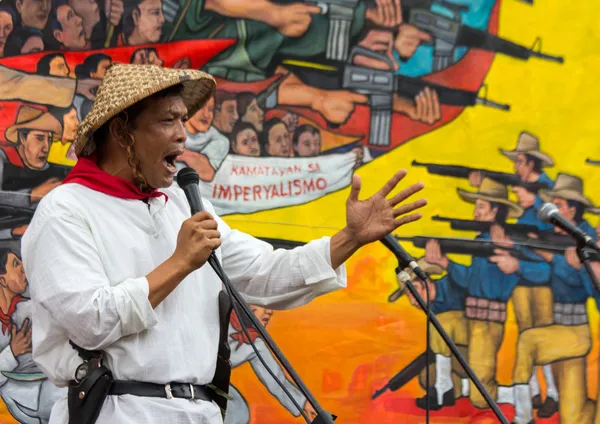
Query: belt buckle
168, 391
192, 391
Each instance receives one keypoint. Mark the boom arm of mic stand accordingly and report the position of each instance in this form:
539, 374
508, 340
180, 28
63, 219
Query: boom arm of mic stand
456, 353
586, 256
323, 417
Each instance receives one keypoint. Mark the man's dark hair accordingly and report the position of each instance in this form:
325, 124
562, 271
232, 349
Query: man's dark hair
17, 39
53, 25
59, 113
90, 64
243, 102
579, 210
22, 134
301, 130
264, 139
537, 163
7, 8
4, 252
128, 24
43, 65
223, 96
238, 127
502, 213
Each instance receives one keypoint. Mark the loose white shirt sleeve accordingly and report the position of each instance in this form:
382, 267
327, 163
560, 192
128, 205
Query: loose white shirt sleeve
86, 256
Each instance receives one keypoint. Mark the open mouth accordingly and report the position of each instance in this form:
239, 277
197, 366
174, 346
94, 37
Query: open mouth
170, 159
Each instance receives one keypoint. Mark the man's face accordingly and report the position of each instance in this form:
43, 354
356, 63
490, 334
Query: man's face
309, 144
246, 143
101, 69
566, 211
262, 314
523, 168
59, 68
14, 279
71, 122
33, 44
87, 9
226, 116
34, 13
202, 120
484, 211
149, 20
526, 198
279, 143
34, 149
255, 115
159, 136
6, 27
72, 35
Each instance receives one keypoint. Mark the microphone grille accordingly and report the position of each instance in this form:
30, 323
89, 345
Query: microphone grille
187, 176
546, 211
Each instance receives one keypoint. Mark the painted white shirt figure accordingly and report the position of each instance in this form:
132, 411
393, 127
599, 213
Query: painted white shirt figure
212, 144
86, 255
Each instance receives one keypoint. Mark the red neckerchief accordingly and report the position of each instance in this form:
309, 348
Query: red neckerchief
240, 337
86, 172
5, 317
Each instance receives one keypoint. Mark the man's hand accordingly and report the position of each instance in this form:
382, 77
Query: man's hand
20, 340
433, 254
499, 237
197, 239
309, 411
387, 13
183, 63
420, 288
475, 178
506, 263
293, 20
425, 107
572, 258
337, 105
371, 219
114, 11
87, 87
19, 231
40, 191
409, 39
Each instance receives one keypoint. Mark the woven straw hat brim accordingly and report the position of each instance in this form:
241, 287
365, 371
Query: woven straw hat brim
513, 154
124, 85
514, 210
546, 195
44, 122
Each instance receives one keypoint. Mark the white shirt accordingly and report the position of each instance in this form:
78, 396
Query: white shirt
86, 255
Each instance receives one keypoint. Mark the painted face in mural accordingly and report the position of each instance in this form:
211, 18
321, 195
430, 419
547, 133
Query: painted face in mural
14, 279
526, 198
101, 69
254, 115
565, 211
148, 20
59, 68
279, 142
246, 143
309, 144
70, 122
89, 11
34, 13
524, 167
226, 116
33, 148
262, 314
6, 27
202, 120
33, 44
72, 35
484, 211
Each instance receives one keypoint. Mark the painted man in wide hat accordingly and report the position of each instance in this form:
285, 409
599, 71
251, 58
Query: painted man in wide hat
566, 341
488, 289
117, 264
532, 298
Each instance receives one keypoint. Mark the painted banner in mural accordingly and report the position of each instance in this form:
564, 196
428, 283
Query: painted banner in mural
492, 103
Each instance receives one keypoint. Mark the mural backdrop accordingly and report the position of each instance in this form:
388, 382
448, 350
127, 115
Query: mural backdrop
308, 94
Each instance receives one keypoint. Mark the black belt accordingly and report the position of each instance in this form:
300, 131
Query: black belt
169, 390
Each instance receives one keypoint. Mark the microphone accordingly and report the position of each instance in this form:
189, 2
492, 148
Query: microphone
404, 259
549, 213
188, 181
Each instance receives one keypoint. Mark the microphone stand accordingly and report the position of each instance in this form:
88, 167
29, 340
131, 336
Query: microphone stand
470, 373
323, 417
587, 255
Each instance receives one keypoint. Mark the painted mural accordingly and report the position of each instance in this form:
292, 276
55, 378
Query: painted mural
492, 103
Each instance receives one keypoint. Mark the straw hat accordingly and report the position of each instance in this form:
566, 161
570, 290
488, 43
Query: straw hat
492, 191
125, 84
31, 118
568, 187
530, 145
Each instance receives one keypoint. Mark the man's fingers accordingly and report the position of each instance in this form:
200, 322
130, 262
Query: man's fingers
214, 243
406, 193
398, 10
393, 182
404, 209
354, 188
209, 224
313, 10
437, 113
201, 216
408, 219
495, 259
212, 234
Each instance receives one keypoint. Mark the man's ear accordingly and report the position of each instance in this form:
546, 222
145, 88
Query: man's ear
119, 132
58, 36
3, 281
